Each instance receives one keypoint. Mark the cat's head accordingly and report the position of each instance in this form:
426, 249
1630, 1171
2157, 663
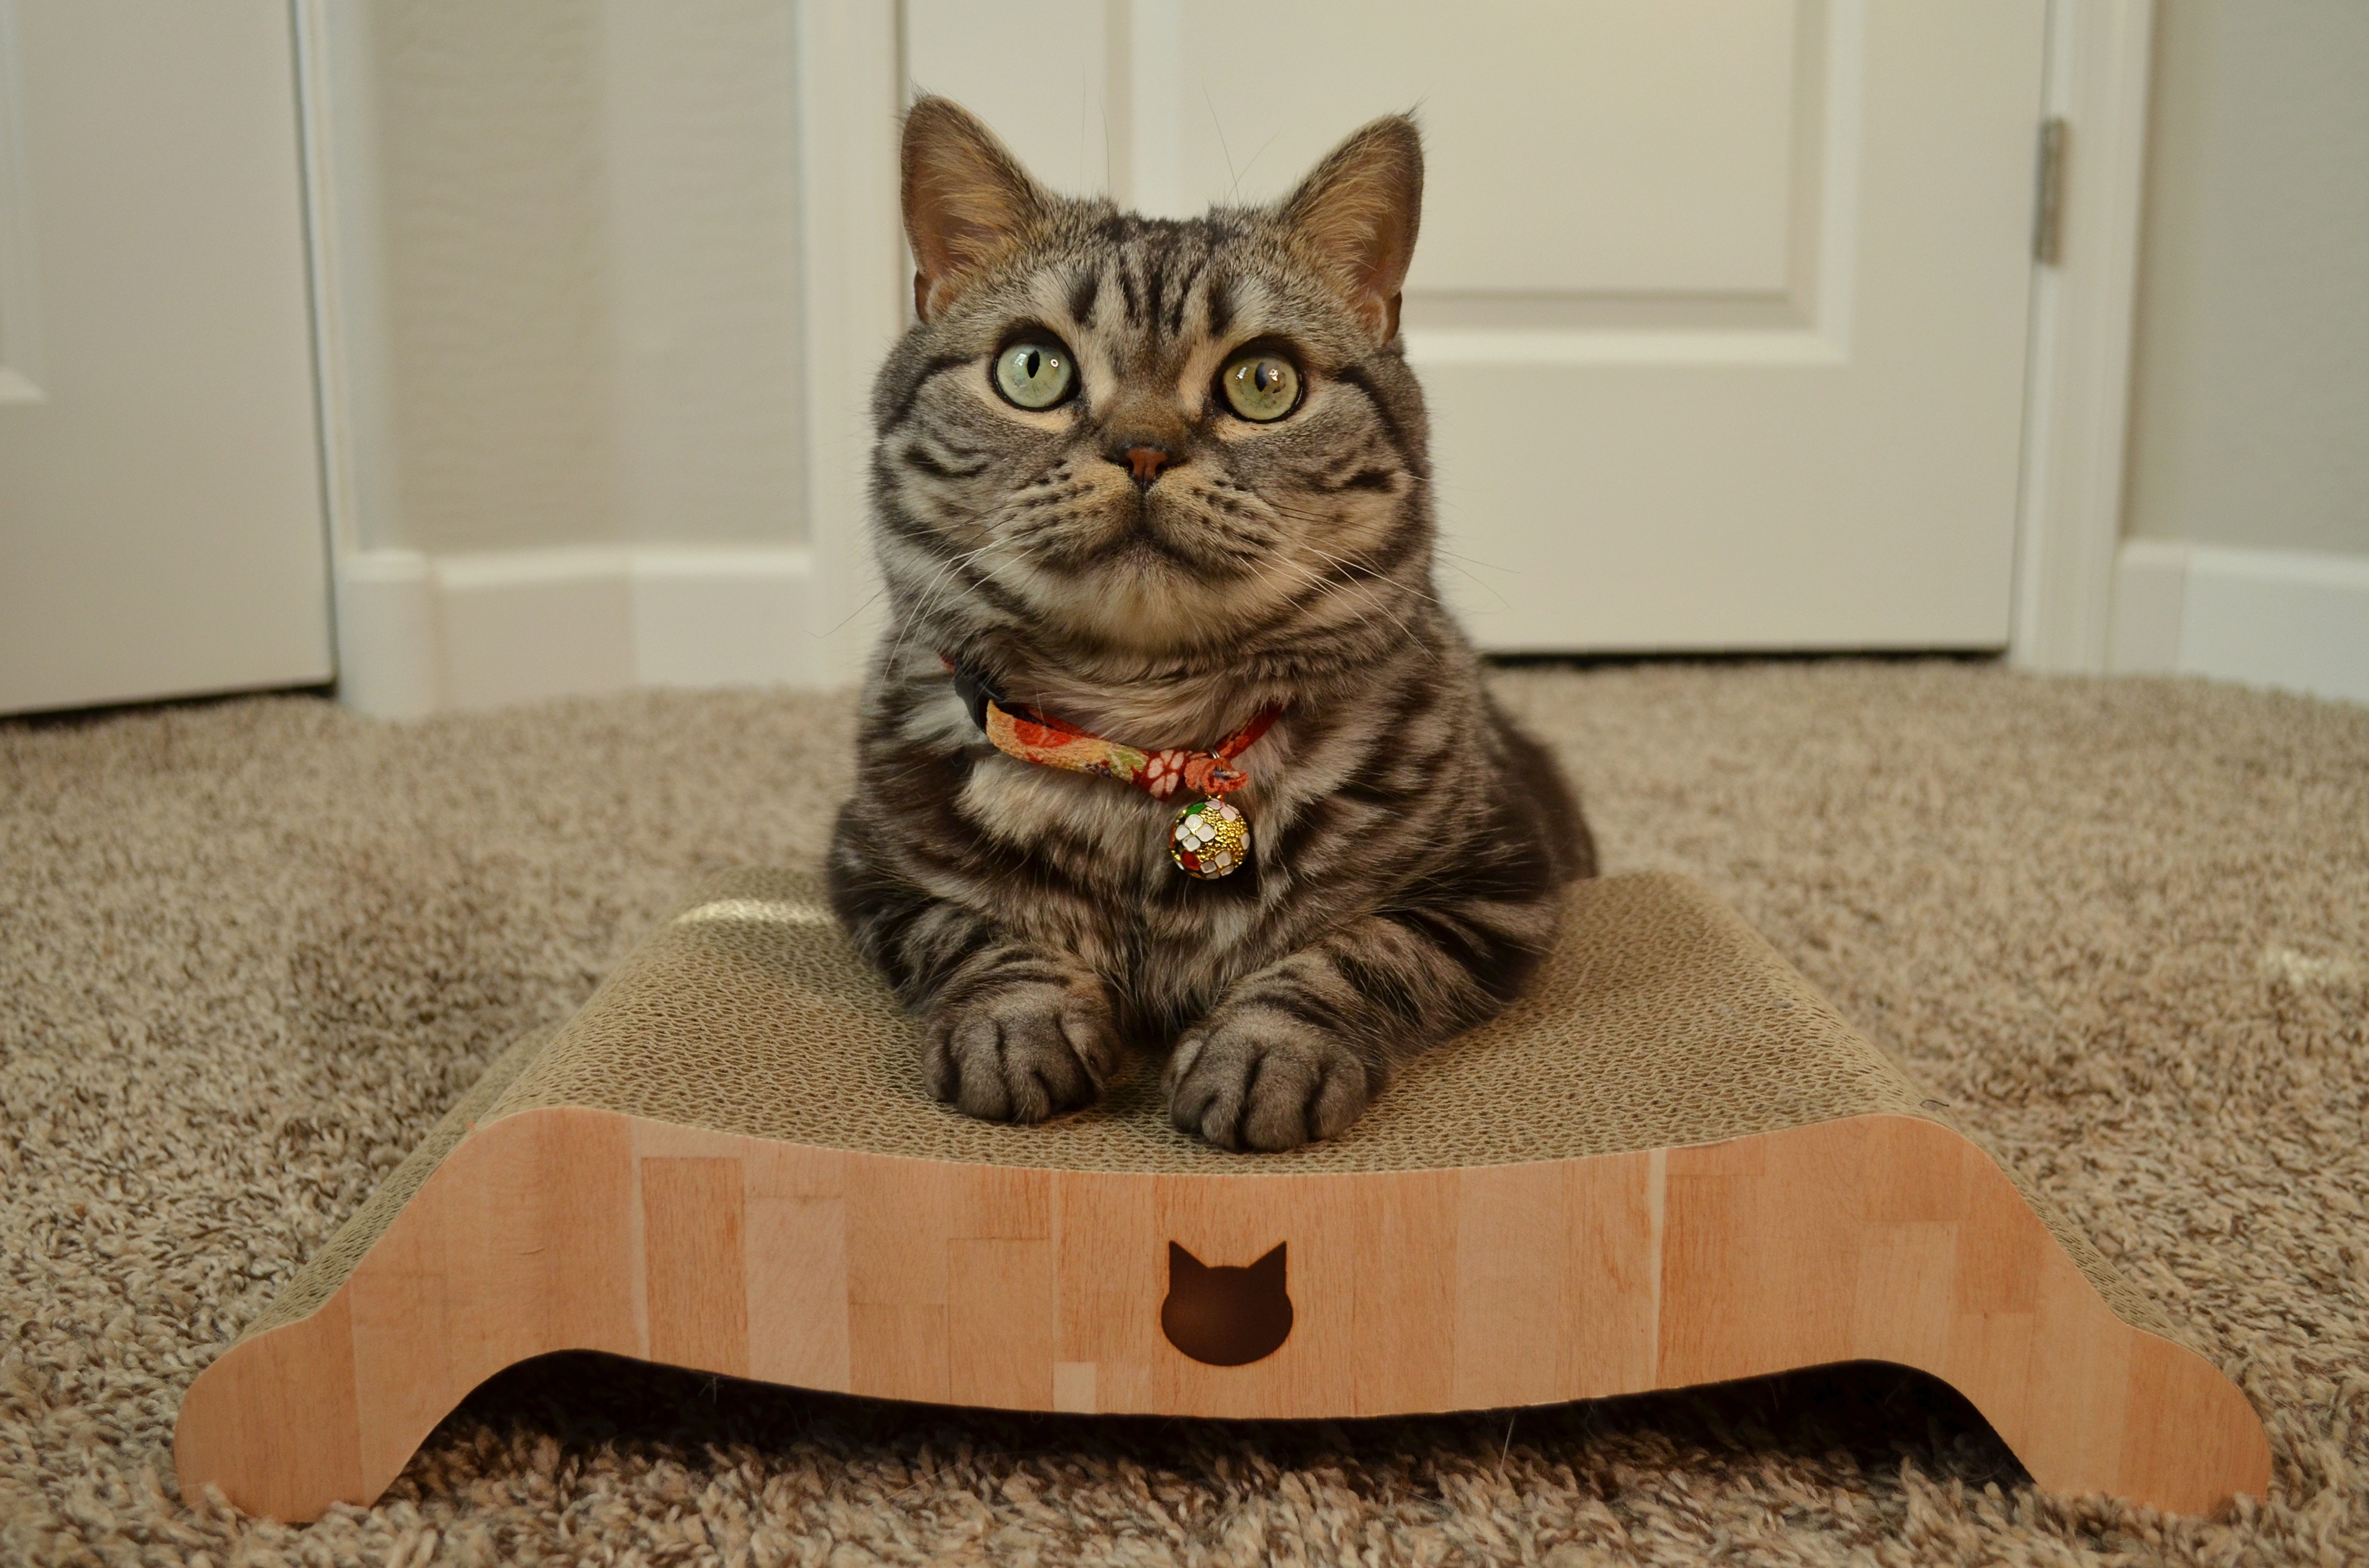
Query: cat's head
1147, 437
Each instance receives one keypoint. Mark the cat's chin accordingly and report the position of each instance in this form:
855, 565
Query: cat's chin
1153, 607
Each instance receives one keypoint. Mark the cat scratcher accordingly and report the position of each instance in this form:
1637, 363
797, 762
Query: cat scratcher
1672, 1163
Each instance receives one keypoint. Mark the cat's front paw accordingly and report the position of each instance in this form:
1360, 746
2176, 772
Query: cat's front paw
1022, 1052
1262, 1079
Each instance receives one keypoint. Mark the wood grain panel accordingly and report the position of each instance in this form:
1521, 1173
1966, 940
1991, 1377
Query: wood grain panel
1405, 1320
1901, 1297
1905, 1173
796, 1243
899, 1351
280, 1432
1001, 1320
694, 1266
407, 1358
1882, 1237
1510, 1221
798, 1301
899, 1215
1706, 1236
2185, 1437
1110, 1263
1318, 1364
1002, 1201
1758, 1270
1612, 1253
531, 1252
560, 1217
1073, 1387
2077, 1408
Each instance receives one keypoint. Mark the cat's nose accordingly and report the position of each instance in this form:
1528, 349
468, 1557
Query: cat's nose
1144, 462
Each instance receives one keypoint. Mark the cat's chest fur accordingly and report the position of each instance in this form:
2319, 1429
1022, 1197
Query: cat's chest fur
1114, 833
1165, 939
1141, 920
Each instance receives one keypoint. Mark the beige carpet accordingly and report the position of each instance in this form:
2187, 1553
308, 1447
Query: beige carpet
249, 951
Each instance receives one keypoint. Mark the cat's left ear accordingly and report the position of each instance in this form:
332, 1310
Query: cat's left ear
967, 199
1359, 211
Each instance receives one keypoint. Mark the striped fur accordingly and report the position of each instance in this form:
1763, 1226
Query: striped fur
1411, 844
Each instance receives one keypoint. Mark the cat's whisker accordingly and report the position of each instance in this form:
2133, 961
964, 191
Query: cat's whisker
1297, 515
1376, 577
1330, 587
1493, 592
1454, 556
934, 589
1218, 123
841, 623
927, 597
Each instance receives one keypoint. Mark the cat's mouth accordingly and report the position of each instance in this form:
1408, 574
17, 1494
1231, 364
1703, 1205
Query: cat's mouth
1145, 535
1149, 569
1141, 542
1142, 577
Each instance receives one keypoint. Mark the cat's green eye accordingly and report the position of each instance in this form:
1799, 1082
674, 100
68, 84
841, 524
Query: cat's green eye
1260, 386
1036, 373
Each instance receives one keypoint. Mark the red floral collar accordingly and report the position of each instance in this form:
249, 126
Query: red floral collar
1210, 838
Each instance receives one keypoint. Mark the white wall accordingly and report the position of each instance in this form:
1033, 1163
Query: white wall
588, 231
2250, 409
564, 333
2247, 511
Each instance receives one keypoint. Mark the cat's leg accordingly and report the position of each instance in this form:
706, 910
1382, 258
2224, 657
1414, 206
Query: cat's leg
1012, 1031
1296, 1051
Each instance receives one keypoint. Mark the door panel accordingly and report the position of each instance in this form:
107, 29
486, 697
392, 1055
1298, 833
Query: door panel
160, 504
1651, 100
1720, 304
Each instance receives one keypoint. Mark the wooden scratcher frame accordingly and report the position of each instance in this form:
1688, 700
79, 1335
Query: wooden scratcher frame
1671, 1164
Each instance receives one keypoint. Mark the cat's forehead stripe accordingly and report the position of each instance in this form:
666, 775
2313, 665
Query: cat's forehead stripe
1128, 293
1159, 299
1219, 305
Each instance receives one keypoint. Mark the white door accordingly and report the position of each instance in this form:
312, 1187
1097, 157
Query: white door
1720, 304
160, 500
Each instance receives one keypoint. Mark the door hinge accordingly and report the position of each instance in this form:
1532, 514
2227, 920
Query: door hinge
2048, 193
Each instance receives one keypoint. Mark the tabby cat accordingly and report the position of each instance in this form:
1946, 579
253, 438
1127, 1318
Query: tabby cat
1161, 481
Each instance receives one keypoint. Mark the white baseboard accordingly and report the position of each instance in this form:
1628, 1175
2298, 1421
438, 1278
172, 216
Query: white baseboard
420, 634
2284, 618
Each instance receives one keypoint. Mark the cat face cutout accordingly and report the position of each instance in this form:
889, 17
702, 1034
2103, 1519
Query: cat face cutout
1222, 1316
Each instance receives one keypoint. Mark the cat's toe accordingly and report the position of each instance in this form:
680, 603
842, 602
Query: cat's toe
1021, 1054
1265, 1083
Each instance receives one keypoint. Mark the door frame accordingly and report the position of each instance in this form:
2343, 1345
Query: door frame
2077, 392
405, 621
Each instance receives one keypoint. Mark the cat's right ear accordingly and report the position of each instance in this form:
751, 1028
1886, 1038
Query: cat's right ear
967, 200
1182, 1262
